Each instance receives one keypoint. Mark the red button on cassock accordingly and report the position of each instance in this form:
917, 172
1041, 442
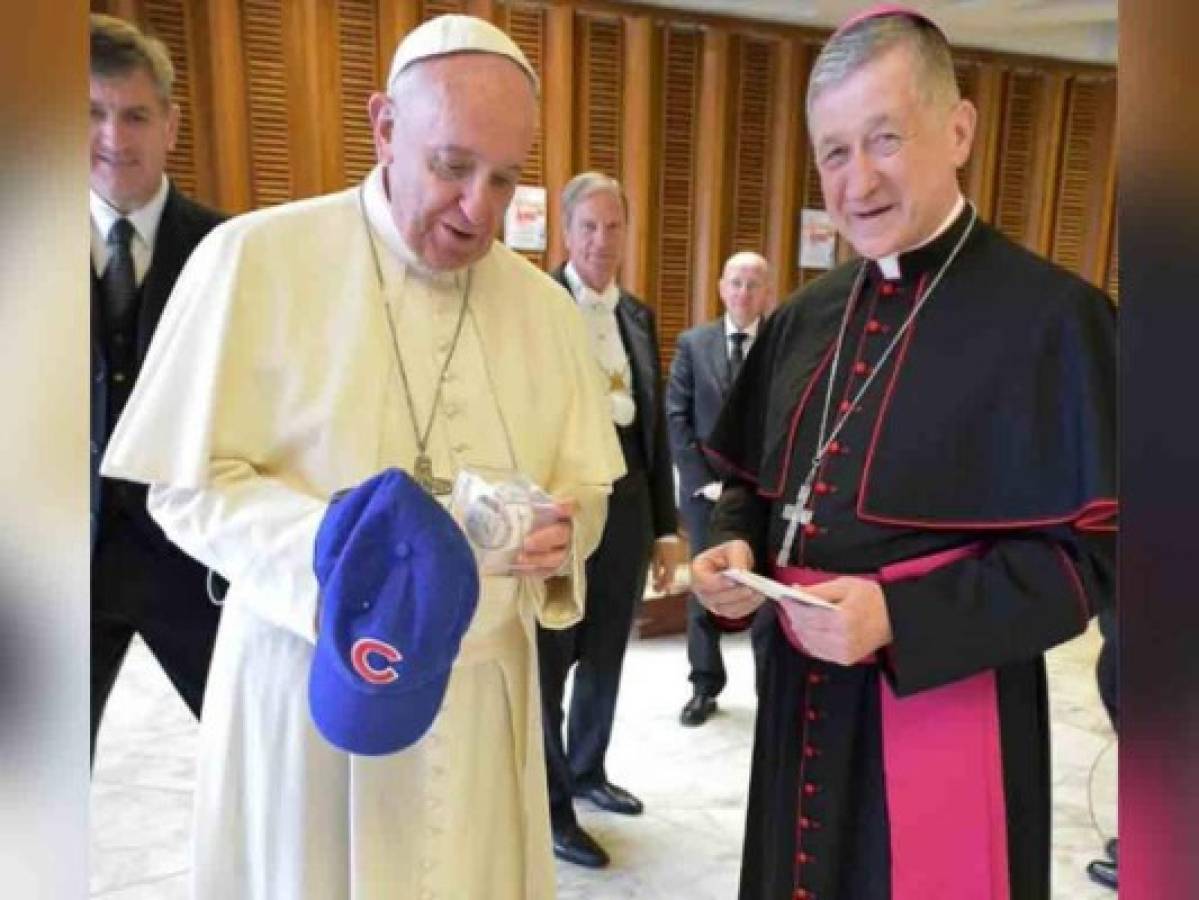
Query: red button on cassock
813, 715
834, 447
874, 326
821, 487
811, 752
810, 789
815, 678
860, 368
845, 406
888, 289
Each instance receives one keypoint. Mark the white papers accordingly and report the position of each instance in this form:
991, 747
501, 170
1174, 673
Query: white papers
776, 590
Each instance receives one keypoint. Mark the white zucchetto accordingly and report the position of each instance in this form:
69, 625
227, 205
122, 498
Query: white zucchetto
449, 34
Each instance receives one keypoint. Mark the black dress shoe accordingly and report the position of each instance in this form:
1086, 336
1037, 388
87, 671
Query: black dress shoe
574, 845
610, 797
1104, 872
697, 709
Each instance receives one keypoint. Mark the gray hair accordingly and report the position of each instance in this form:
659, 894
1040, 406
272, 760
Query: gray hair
583, 186
119, 48
850, 50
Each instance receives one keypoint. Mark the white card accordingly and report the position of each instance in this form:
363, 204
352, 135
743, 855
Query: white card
776, 590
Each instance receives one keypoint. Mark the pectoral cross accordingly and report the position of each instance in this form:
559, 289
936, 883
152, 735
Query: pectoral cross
796, 514
422, 473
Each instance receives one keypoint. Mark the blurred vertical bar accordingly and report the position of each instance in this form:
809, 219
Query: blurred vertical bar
44, 533
1159, 442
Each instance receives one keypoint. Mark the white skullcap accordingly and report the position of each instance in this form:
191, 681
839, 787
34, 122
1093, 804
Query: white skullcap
449, 34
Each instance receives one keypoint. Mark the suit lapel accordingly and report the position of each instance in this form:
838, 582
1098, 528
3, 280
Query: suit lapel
634, 332
637, 344
97, 298
717, 355
171, 250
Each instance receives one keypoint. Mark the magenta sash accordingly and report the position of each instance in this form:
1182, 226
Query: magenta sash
943, 770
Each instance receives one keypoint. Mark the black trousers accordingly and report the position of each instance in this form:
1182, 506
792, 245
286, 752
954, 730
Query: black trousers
616, 575
149, 587
708, 675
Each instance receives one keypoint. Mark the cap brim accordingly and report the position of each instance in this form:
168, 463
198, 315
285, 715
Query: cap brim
369, 722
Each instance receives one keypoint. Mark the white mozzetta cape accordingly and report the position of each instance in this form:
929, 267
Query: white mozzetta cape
270, 384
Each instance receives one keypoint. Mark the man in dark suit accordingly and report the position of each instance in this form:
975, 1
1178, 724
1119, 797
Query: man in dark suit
640, 529
705, 364
143, 230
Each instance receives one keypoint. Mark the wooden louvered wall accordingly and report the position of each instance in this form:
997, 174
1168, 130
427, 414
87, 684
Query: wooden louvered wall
811, 194
677, 138
170, 20
527, 23
700, 116
432, 8
751, 134
600, 59
1086, 177
1026, 165
266, 100
358, 78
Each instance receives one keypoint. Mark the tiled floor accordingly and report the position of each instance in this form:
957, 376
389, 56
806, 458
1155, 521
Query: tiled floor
693, 782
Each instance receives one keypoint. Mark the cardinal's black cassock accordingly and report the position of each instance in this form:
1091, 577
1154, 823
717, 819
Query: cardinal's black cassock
975, 479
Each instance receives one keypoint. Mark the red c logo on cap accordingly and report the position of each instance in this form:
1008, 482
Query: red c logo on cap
360, 659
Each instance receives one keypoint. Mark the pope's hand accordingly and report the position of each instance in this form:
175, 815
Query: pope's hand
546, 548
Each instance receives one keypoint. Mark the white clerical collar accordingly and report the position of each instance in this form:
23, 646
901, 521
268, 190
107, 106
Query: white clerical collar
608, 297
889, 264
378, 213
144, 219
730, 327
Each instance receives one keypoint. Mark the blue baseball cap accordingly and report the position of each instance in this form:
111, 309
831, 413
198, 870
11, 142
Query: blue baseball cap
399, 586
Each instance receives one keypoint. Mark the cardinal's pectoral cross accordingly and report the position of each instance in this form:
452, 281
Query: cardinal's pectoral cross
422, 473
795, 514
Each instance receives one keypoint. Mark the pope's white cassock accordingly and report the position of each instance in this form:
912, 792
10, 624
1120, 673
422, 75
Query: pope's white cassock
272, 382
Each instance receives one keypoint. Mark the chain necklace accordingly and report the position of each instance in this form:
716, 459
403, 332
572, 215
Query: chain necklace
422, 465
800, 512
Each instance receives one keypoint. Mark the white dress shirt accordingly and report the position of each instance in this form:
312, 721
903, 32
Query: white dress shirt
599, 312
145, 221
730, 328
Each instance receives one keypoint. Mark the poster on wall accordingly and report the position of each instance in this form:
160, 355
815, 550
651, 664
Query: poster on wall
525, 220
817, 240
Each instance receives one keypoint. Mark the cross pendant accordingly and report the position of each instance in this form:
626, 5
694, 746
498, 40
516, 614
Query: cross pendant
799, 511
796, 514
422, 473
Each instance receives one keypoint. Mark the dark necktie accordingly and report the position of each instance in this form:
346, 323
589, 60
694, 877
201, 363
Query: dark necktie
737, 357
119, 281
